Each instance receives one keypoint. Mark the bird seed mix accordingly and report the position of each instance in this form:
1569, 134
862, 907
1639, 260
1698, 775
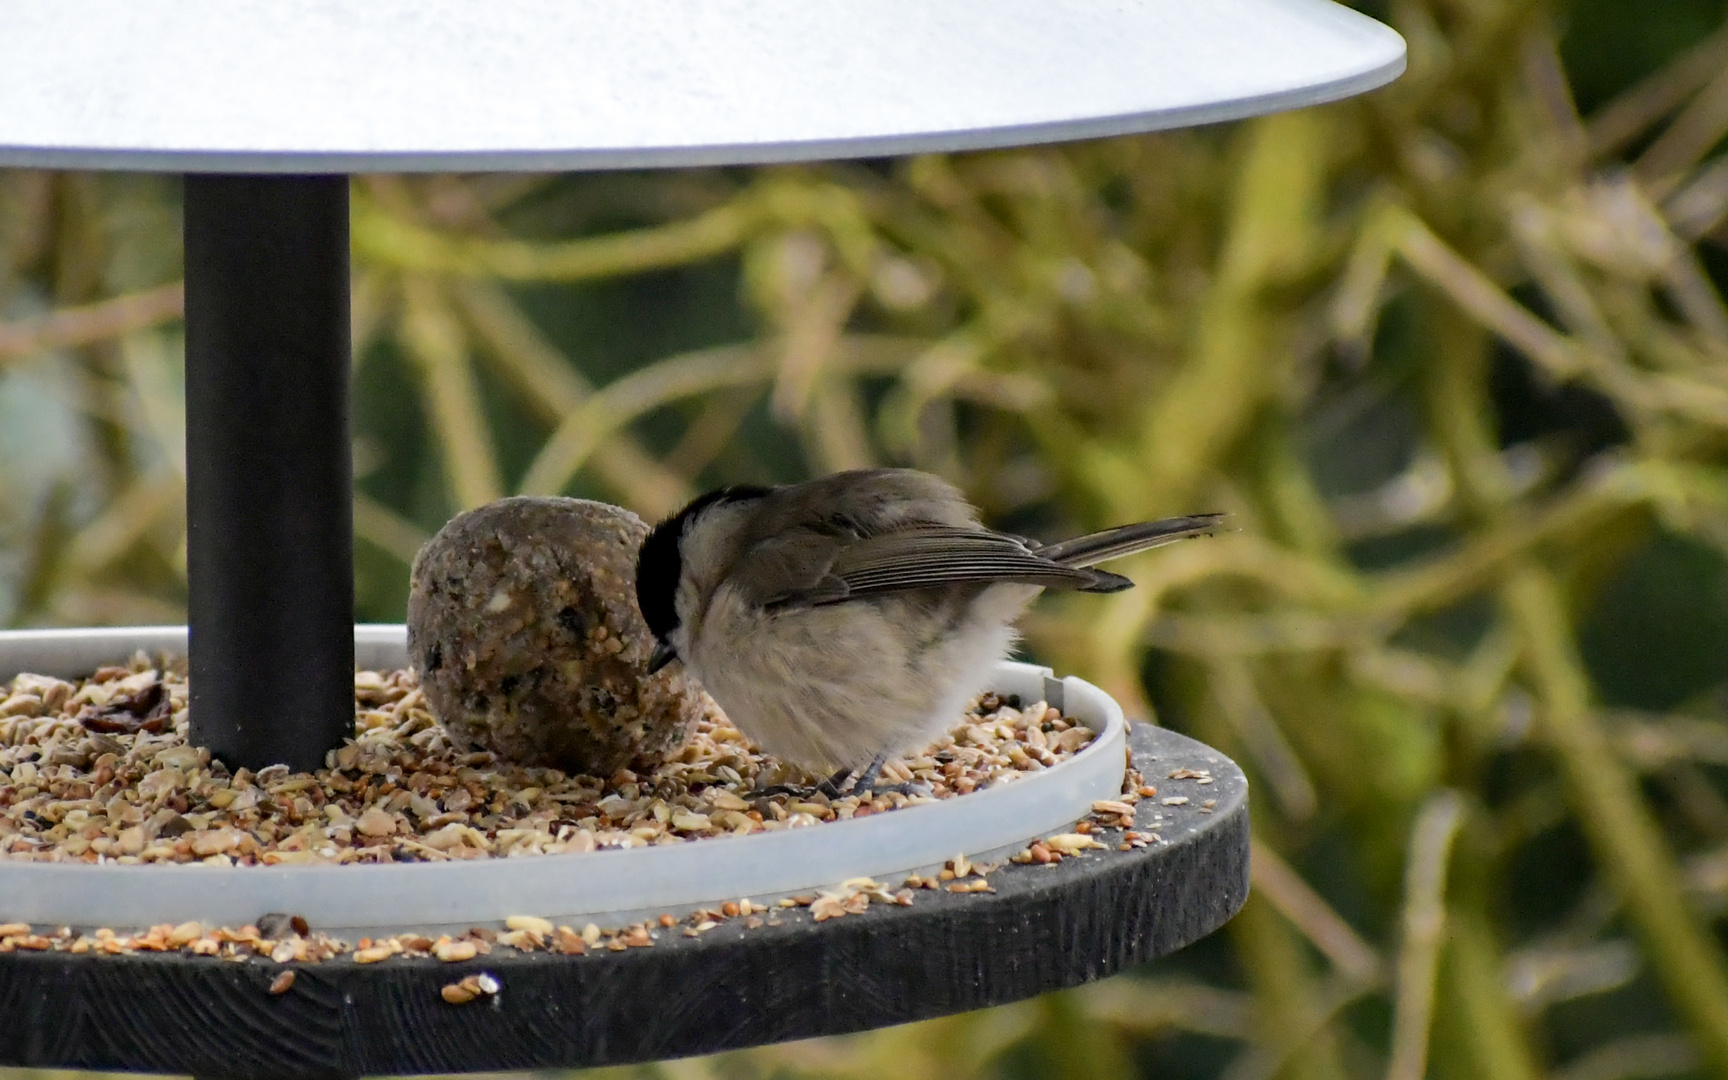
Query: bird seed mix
100, 771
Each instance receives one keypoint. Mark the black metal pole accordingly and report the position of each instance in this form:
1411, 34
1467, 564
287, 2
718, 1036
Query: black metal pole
269, 512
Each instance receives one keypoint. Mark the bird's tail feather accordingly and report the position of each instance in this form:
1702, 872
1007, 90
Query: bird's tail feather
1094, 548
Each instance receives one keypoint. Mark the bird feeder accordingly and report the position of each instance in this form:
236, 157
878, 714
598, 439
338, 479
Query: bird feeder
265, 109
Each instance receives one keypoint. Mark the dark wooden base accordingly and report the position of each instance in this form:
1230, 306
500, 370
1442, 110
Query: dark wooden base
1044, 927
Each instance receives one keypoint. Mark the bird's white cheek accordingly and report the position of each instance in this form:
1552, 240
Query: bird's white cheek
685, 603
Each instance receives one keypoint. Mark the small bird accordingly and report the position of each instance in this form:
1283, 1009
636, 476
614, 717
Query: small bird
850, 618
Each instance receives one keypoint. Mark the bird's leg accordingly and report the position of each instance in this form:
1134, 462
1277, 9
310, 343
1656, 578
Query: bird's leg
829, 787
865, 785
866, 780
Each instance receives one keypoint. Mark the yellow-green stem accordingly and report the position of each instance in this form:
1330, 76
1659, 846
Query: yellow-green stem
1628, 844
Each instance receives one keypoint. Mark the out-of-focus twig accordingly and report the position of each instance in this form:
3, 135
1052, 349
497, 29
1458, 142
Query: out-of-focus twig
1699, 127
1635, 110
435, 339
387, 530
1481, 297
1635, 1057
1477, 562
1541, 975
1151, 1007
1486, 1024
392, 241
1242, 707
1424, 925
1563, 357
1274, 878
1263, 1060
1629, 845
620, 403
125, 522
89, 323
1270, 236
555, 389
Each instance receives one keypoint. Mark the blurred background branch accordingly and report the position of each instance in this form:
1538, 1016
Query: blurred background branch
1453, 356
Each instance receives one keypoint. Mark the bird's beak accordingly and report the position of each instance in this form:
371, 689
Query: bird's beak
663, 654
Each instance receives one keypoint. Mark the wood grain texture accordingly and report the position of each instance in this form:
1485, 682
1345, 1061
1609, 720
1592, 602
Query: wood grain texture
1044, 928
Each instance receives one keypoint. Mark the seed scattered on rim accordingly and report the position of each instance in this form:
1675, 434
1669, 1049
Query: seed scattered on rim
454, 951
1070, 843
458, 993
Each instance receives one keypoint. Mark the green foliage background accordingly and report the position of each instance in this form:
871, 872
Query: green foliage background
1453, 355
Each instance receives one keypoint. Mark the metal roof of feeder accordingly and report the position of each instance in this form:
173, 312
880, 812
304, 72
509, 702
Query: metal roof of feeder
456, 85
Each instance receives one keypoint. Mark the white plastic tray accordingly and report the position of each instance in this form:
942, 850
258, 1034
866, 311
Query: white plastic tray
598, 885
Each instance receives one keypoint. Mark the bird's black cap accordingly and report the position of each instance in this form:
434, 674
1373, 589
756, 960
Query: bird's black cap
660, 563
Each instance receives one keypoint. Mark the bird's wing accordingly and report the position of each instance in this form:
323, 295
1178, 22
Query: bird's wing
1127, 539
930, 556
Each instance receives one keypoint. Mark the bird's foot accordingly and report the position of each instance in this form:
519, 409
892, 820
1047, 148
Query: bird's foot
868, 785
865, 785
829, 787
910, 789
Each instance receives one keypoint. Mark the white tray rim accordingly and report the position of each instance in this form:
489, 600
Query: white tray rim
567, 888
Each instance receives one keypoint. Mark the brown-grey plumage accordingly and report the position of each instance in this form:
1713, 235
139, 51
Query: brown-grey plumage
854, 615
